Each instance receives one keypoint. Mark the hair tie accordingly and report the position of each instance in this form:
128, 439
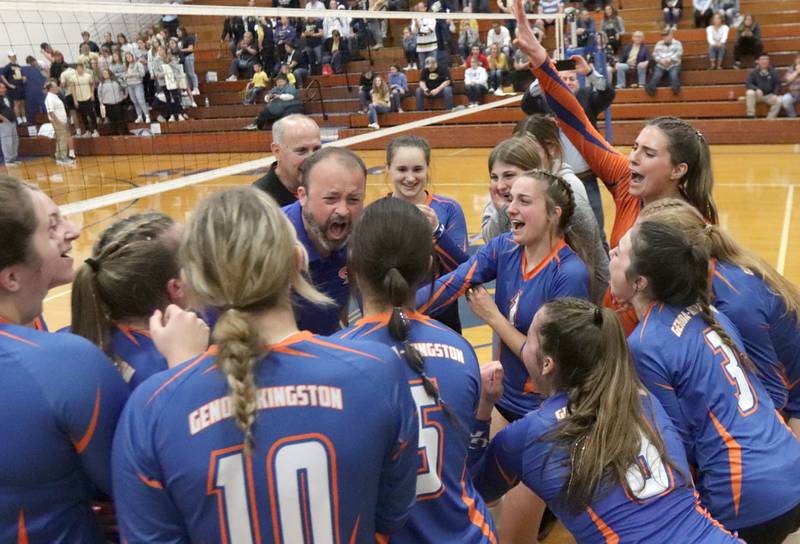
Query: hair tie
699, 134
94, 264
708, 228
598, 316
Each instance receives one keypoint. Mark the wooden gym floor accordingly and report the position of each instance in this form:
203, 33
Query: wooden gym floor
755, 190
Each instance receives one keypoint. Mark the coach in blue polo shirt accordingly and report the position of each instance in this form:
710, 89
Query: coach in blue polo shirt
330, 201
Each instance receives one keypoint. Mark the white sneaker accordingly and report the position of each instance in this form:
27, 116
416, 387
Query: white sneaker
232, 78
68, 162
195, 92
194, 104
138, 119
78, 133
161, 119
171, 119
252, 126
147, 119
375, 126
499, 92
71, 154
95, 134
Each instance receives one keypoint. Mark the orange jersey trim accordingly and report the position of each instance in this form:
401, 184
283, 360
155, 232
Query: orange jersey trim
155, 484
18, 339
475, 516
526, 276
608, 533
734, 460
210, 351
22, 532
83, 443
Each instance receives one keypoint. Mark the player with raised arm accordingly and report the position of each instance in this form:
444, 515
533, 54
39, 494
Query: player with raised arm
689, 356
761, 303
390, 256
600, 450
254, 440
408, 160
61, 395
132, 273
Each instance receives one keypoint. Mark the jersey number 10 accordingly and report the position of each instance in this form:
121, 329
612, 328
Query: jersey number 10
301, 487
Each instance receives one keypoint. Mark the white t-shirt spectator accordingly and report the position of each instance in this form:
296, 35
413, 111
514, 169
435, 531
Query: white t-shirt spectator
717, 35
476, 76
503, 39
54, 105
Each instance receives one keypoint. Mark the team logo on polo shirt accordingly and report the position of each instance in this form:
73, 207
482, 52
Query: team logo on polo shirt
433, 75
343, 275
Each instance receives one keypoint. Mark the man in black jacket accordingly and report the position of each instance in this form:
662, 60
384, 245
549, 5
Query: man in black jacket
294, 138
763, 85
594, 98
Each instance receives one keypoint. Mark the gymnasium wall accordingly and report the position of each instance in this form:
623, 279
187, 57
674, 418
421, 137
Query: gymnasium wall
23, 31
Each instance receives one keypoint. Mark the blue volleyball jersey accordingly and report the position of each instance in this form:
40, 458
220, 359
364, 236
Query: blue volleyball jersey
328, 274
664, 509
61, 400
333, 458
746, 457
138, 357
518, 295
448, 509
770, 336
451, 247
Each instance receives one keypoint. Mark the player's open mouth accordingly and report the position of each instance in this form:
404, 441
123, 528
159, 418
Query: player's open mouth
66, 254
517, 226
337, 229
636, 177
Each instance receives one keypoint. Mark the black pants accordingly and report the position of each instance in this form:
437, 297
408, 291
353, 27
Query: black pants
747, 46
773, 531
702, 18
116, 115
173, 98
87, 114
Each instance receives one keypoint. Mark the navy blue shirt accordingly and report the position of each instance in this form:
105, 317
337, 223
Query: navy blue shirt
328, 274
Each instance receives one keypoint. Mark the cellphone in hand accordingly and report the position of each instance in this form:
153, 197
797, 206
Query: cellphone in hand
567, 64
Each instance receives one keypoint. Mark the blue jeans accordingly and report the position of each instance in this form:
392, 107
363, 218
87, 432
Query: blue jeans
716, 54
789, 102
191, 76
622, 72
674, 78
397, 99
672, 16
495, 79
447, 93
300, 75
423, 56
374, 110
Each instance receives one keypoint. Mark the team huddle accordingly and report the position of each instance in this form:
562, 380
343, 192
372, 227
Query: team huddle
210, 387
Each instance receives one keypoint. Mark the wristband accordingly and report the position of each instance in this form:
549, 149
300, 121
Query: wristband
439, 231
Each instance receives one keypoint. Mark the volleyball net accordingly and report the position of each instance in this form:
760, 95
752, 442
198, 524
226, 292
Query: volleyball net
143, 160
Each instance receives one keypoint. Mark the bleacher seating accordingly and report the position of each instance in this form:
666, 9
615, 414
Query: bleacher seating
712, 100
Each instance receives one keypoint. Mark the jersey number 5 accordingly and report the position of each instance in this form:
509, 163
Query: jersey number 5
431, 433
730, 365
301, 490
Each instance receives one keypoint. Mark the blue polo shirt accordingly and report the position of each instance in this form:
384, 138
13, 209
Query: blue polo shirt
328, 274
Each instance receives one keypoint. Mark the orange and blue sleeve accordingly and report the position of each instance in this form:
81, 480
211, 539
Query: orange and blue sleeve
148, 515
480, 268
397, 488
606, 162
87, 403
496, 465
451, 247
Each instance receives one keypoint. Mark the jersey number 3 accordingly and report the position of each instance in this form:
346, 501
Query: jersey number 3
733, 371
301, 489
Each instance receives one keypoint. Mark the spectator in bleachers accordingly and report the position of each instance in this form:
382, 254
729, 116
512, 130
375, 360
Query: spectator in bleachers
140, 51
284, 33
282, 100
33, 62
477, 55
613, 26
86, 55
294, 138
672, 10
446, 45
111, 95
246, 54
425, 31
67, 86
763, 85
521, 75
57, 115
668, 55
167, 72
792, 96
58, 65
335, 52
312, 33
585, 28
302, 68
500, 36
186, 43
134, 78
381, 101
595, 4
170, 22
104, 60
478, 6
409, 48
256, 86
717, 37
730, 8
548, 7
45, 59
83, 94
9, 139
340, 22
365, 89
398, 87
476, 81
467, 36
434, 82
124, 45
498, 68
232, 32
635, 54
703, 10
748, 40
377, 27
108, 41
14, 81
89, 43
117, 67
